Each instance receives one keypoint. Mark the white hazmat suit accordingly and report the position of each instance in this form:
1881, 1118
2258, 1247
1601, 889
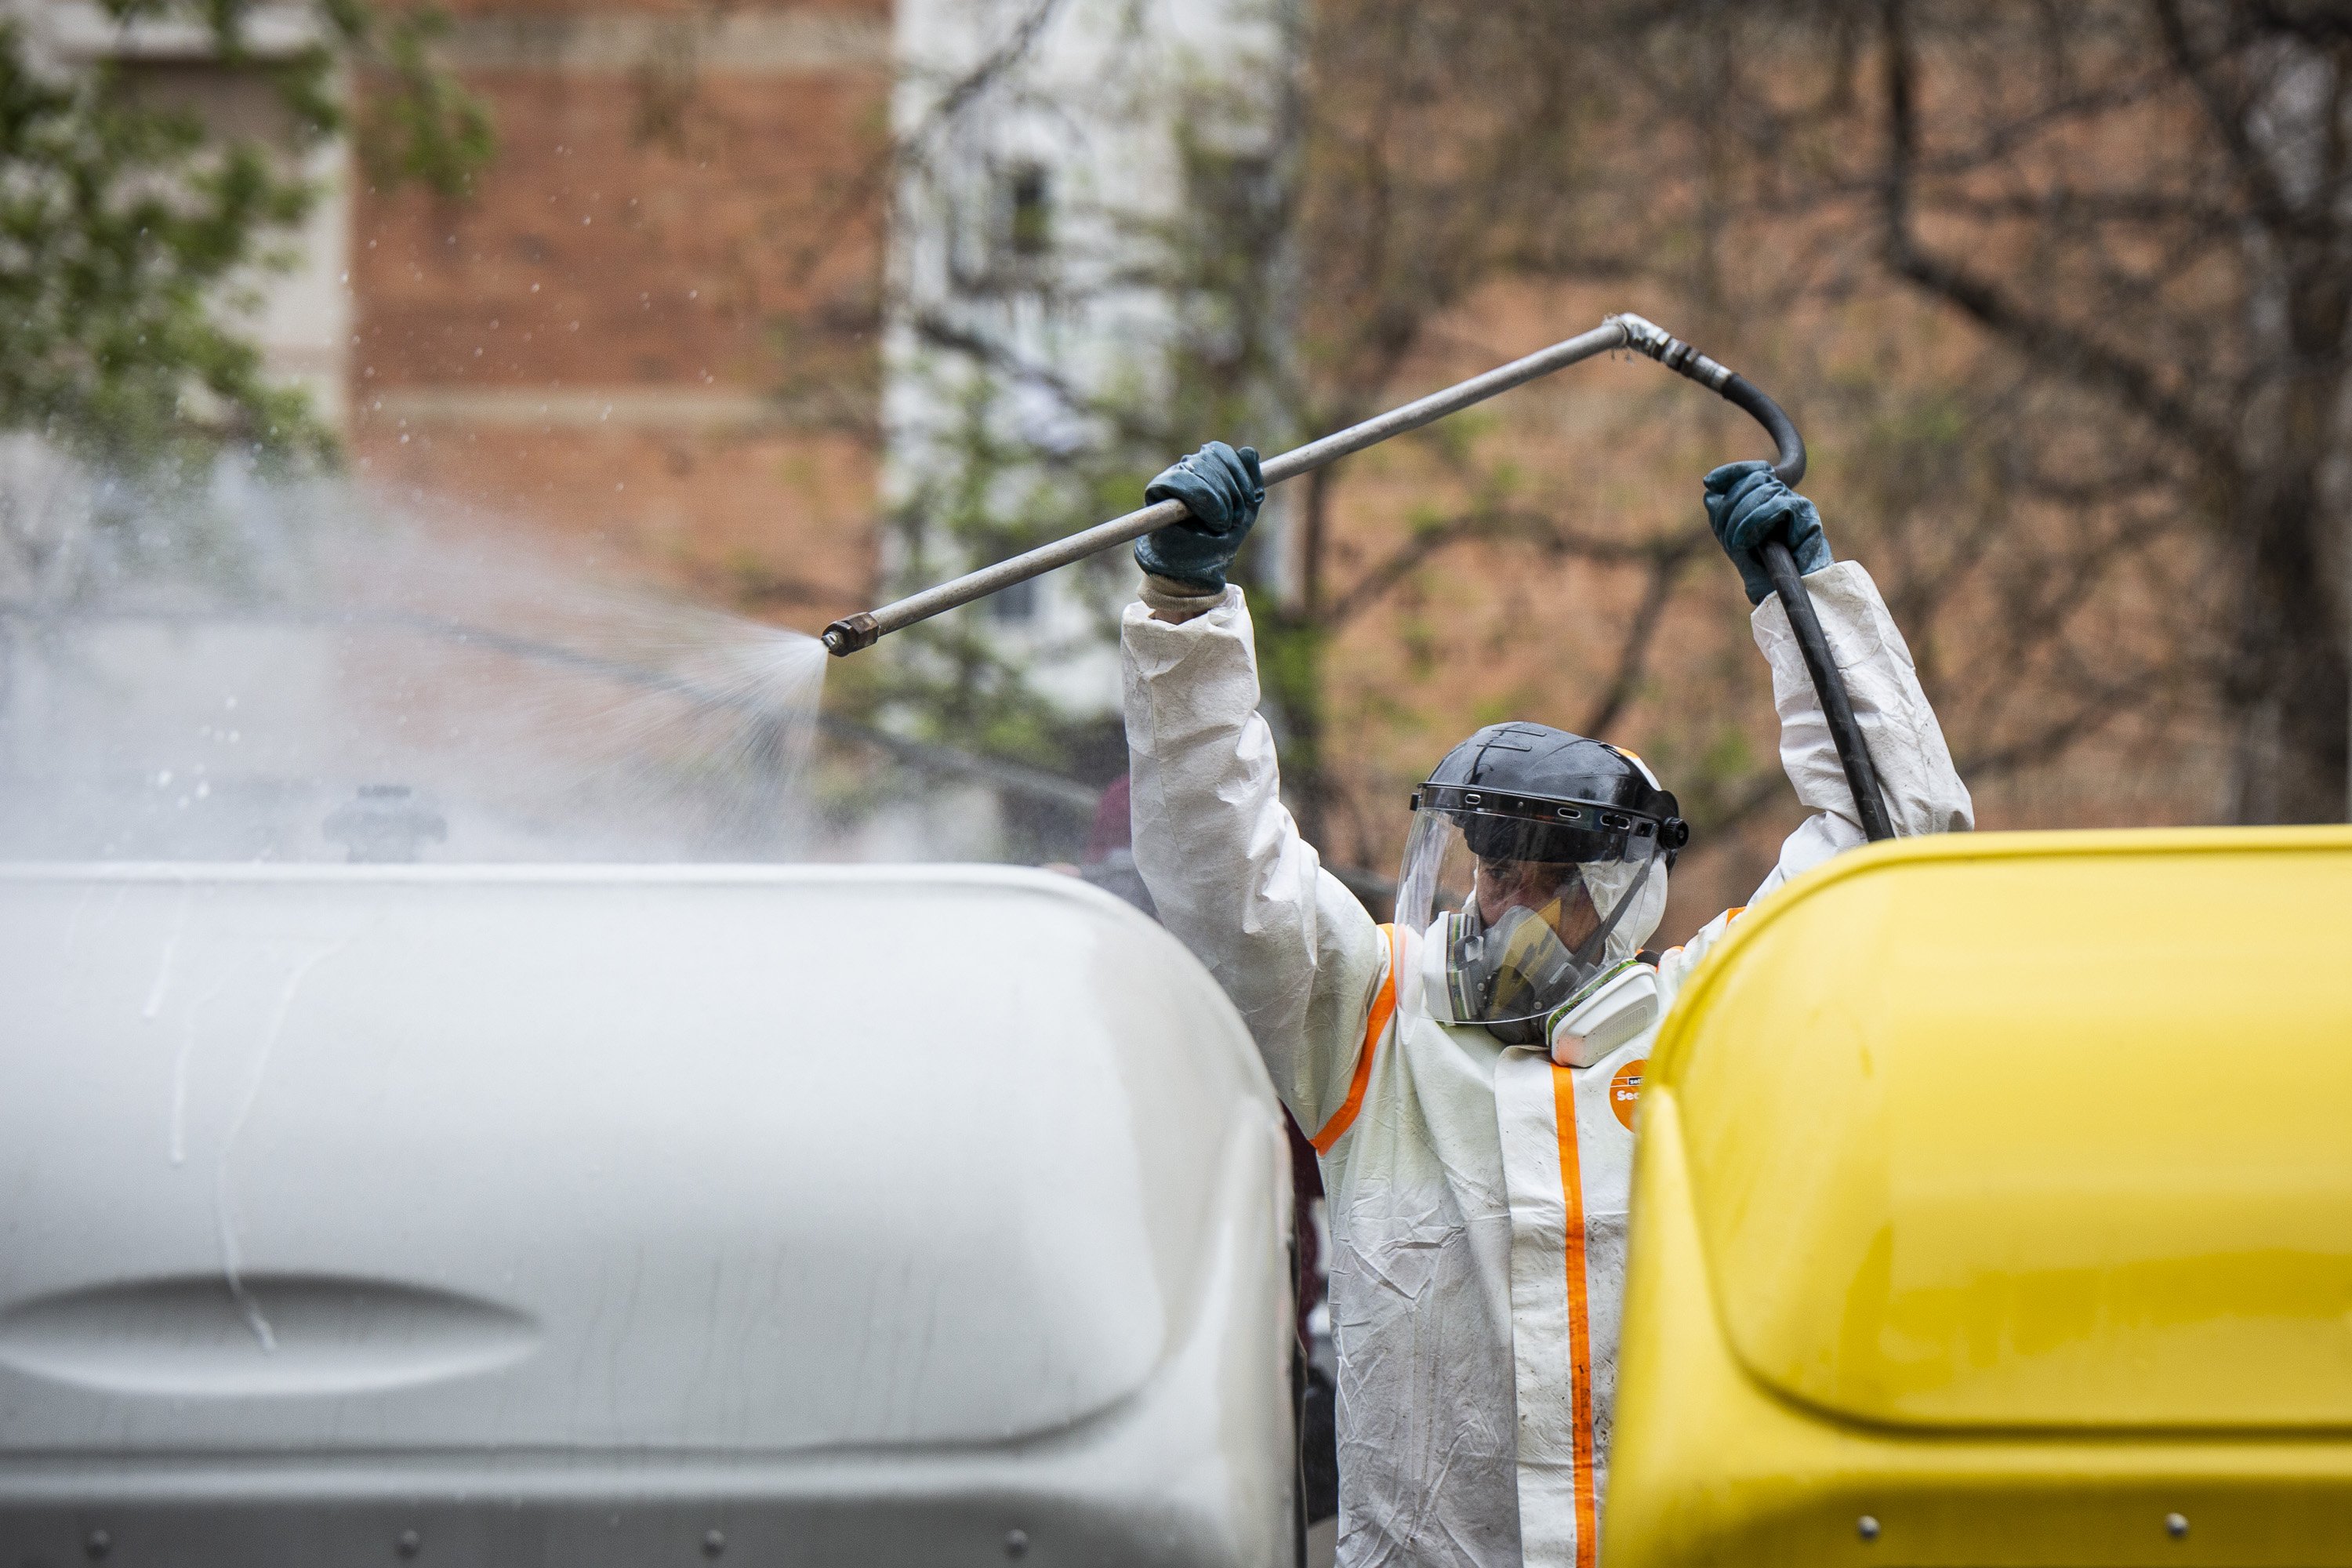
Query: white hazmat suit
1477, 1192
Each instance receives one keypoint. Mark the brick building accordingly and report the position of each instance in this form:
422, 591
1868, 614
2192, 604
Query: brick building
653, 324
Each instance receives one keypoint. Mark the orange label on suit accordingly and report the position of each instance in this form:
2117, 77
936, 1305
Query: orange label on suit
1626, 1088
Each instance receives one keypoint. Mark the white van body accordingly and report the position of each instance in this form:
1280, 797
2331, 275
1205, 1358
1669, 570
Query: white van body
630, 1215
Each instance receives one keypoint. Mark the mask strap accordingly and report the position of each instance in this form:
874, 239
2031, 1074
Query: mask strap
1595, 945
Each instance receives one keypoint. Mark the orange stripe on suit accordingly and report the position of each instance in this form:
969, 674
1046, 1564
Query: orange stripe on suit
1579, 1319
1383, 1009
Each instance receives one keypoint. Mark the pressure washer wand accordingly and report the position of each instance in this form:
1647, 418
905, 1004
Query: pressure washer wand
847, 635
1626, 331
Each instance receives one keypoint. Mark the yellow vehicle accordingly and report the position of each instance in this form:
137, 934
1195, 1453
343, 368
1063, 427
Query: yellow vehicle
2019, 1232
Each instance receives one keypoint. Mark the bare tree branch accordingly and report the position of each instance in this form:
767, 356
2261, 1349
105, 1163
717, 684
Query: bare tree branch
2049, 342
1497, 524
1632, 654
2226, 115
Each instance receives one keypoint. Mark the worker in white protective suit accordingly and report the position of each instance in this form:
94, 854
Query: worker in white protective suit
1468, 1075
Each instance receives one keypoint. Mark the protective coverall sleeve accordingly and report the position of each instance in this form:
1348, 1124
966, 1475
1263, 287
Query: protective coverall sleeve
1297, 952
1924, 794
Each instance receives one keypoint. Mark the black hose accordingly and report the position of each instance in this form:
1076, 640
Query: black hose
1837, 703
1745, 395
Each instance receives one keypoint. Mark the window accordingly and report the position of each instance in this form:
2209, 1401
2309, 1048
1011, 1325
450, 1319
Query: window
304, 318
1028, 207
1015, 604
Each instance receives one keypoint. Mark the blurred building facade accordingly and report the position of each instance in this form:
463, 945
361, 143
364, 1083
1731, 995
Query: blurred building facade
1037, 287
653, 326
726, 305
736, 274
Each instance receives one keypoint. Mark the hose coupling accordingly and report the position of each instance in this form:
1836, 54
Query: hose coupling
851, 632
1647, 337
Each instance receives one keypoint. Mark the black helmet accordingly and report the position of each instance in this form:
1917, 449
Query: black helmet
1528, 792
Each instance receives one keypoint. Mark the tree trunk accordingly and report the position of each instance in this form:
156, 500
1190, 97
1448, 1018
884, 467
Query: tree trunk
2288, 682
2289, 685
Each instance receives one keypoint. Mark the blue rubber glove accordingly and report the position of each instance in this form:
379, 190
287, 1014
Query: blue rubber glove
1224, 489
1748, 504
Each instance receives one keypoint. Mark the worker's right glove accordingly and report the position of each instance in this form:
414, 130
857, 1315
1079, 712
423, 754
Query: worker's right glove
1224, 489
1747, 503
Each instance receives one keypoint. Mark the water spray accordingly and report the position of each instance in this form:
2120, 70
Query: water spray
1622, 332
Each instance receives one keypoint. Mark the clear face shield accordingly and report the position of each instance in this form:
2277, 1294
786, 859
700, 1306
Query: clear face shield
1525, 915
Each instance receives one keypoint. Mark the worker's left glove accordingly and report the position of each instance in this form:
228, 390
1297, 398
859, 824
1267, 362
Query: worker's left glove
1224, 489
1747, 504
